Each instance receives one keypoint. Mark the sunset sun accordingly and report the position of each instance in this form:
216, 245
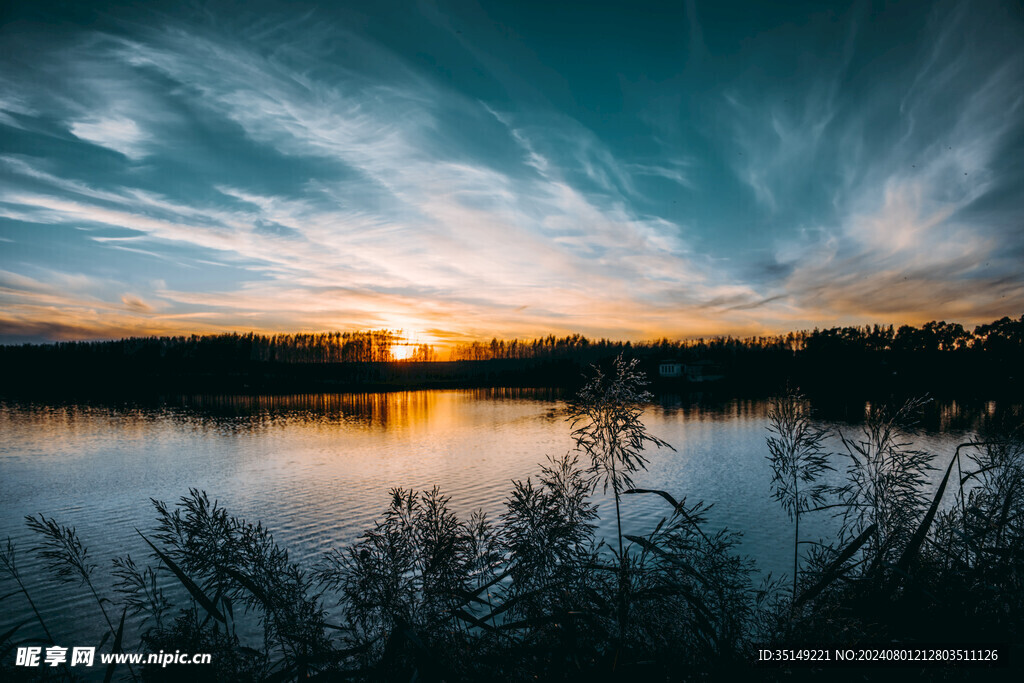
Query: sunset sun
402, 351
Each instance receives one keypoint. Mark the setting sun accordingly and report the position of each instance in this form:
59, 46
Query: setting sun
416, 346
402, 351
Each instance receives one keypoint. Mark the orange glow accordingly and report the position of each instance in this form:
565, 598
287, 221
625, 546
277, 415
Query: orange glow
409, 345
402, 351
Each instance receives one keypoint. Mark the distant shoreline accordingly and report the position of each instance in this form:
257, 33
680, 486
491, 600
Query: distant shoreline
874, 374
939, 359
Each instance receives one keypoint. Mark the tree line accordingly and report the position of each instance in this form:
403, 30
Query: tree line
375, 346
1003, 336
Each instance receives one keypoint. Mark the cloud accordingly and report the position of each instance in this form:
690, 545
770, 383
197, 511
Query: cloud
135, 304
120, 134
673, 171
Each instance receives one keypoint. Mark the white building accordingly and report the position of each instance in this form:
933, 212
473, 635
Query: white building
670, 368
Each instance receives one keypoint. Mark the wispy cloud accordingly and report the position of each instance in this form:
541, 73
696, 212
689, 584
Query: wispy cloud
119, 134
895, 229
453, 234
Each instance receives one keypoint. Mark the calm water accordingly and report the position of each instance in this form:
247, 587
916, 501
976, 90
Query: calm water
316, 469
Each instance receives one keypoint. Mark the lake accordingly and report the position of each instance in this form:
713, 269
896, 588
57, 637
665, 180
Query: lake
316, 469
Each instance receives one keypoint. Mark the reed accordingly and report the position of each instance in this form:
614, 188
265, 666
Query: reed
797, 455
607, 427
886, 480
66, 556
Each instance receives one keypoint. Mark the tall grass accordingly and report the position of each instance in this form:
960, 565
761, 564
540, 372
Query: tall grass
886, 479
607, 428
797, 455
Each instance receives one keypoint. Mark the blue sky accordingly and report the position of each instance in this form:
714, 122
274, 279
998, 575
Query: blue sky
466, 170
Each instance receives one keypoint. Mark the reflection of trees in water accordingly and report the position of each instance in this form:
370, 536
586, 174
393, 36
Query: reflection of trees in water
940, 416
698, 406
388, 409
247, 412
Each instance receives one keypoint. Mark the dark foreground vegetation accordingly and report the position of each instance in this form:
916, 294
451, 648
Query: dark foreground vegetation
937, 358
535, 595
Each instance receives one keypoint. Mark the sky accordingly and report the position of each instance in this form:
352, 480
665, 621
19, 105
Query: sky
464, 170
